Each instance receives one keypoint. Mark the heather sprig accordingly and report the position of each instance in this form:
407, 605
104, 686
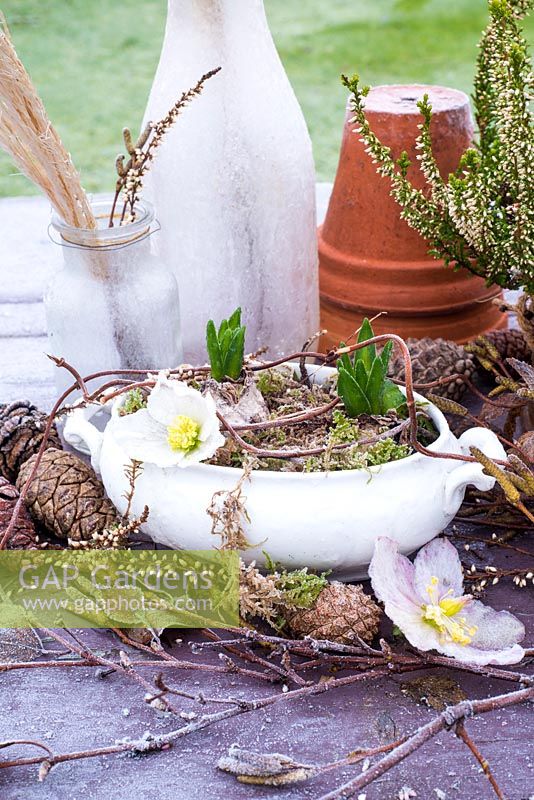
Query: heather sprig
482, 217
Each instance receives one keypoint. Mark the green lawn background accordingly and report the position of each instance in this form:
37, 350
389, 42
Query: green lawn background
93, 62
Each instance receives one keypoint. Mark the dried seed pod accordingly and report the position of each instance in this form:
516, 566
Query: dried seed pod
140, 635
264, 769
513, 495
447, 405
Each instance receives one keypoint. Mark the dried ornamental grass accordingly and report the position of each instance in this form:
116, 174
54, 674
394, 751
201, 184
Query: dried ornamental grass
29, 137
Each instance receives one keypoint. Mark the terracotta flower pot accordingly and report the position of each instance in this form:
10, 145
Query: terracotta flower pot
370, 259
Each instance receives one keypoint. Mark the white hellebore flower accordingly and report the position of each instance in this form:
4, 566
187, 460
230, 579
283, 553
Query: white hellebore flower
426, 601
179, 427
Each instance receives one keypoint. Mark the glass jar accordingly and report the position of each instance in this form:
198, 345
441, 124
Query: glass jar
114, 305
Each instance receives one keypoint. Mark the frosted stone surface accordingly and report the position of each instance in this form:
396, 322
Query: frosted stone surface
233, 184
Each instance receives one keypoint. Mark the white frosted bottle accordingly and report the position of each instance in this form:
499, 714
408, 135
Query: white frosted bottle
234, 182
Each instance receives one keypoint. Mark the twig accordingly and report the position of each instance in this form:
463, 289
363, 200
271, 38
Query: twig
261, 452
304, 376
491, 543
289, 419
448, 718
125, 667
311, 647
32, 742
464, 736
199, 697
153, 743
172, 661
131, 175
488, 522
152, 663
248, 655
132, 472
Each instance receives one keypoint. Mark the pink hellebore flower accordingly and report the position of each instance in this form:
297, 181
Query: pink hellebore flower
426, 601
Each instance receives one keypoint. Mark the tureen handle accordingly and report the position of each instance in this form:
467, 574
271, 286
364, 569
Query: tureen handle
81, 434
467, 473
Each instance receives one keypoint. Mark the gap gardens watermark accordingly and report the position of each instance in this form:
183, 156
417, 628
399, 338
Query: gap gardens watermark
119, 588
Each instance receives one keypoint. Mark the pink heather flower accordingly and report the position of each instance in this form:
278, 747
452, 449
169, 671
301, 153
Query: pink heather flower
426, 601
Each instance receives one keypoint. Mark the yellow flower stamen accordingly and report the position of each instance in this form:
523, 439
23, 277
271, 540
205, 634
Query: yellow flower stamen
183, 434
440, 612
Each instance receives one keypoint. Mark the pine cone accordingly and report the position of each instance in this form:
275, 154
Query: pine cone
433, 359
341, 613
24, 536
526, 443
66, 497
21, 434
510, 344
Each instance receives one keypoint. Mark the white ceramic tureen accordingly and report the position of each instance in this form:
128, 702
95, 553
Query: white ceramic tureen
325, 521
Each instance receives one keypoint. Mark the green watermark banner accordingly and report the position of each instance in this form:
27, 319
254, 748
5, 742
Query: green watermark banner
119, 588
